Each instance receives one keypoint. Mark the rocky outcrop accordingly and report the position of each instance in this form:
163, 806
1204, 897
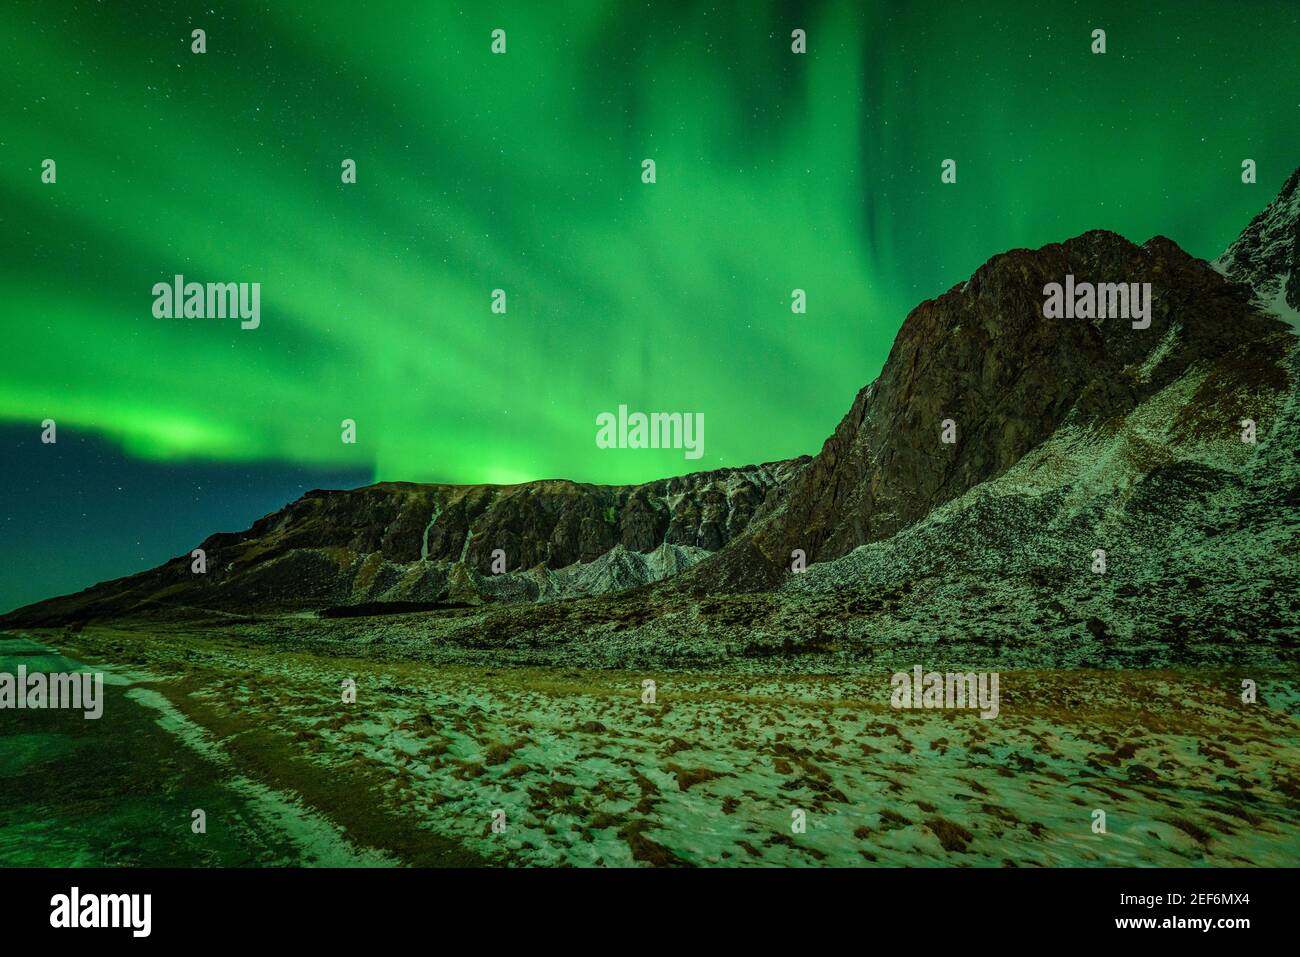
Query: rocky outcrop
985, 360
1266, 256
887, 500
405, 542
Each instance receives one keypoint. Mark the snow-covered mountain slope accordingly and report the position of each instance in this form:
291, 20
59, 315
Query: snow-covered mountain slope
1266, 256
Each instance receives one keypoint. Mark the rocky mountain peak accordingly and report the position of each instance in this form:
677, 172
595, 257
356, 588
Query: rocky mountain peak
1073, 337
980, 376
1266, 256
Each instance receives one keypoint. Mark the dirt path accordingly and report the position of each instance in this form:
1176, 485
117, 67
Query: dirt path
122, 790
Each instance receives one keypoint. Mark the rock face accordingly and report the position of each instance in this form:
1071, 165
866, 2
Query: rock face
1153, 538
1071, 435
984, 358
1266, 256
404, 542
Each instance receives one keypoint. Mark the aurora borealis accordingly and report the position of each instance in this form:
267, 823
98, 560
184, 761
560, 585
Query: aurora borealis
521, 171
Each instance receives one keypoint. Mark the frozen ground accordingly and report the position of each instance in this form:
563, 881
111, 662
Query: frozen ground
719, 766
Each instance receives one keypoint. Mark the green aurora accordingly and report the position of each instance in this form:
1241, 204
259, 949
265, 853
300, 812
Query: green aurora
522, 171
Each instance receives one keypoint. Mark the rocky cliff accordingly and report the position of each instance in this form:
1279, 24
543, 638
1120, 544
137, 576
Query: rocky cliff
436, 544
1266, 256
984, 359
996, 452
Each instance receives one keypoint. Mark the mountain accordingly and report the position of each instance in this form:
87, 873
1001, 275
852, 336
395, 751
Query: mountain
983, 357
1111, 493
401, 544
1266, 256
1115, 497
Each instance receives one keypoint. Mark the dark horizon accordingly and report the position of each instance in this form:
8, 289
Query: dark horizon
82, 511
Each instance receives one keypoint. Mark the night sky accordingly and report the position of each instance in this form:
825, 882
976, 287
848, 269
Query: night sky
522, 171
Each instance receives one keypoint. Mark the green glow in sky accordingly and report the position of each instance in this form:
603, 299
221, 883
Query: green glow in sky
522, 171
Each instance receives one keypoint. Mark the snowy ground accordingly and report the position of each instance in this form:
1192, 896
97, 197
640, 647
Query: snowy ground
718, 769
